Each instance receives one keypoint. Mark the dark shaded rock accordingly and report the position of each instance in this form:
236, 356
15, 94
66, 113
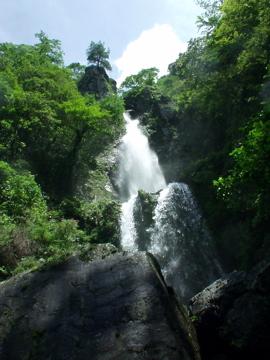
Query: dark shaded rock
143, 213
96, 81
232, 316
98, 251
117, 308
100, 183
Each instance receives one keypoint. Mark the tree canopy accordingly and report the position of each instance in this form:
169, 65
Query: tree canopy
98, 55
50, 137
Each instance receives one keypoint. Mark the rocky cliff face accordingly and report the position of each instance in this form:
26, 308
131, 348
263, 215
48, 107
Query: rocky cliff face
113, 308
96, 81
233, 316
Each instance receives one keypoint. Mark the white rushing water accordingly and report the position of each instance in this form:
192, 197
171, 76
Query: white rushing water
181, 242
176, 234
138, 170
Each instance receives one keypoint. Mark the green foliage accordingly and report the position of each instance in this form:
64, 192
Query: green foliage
246, 188
20, 195
45, 242
140, 91
98, 55
49, 129
7, 227
99, 219
27, 263
83, 116
77, 70
94, 125
50, 48
29, 231
209, 20
45, 120
146, 77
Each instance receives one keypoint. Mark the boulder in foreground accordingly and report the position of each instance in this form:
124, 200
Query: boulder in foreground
233, 316
114, 308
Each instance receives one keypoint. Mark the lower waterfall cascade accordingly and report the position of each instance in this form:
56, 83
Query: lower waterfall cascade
178, 236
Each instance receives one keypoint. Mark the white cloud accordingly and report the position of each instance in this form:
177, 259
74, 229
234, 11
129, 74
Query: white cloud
156, 47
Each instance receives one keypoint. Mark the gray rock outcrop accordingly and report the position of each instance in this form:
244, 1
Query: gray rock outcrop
113, 308
232, 316
96, 81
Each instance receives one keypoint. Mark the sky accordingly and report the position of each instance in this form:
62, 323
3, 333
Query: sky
139, 33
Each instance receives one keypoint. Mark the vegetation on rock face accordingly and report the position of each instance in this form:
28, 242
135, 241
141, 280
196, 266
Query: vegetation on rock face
208, 120
143, 213
50, 137
95, 80
140, 91
77, 70
31, 234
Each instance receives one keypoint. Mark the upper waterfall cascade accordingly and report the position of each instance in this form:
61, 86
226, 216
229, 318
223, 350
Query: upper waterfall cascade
178, 236
139, 168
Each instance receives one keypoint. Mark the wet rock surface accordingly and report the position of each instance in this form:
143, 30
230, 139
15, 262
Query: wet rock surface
96, 81
143, 213
113, 308
232, 316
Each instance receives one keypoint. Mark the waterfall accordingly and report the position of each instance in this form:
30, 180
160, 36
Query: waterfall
177, 235
138, 170
181, 242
